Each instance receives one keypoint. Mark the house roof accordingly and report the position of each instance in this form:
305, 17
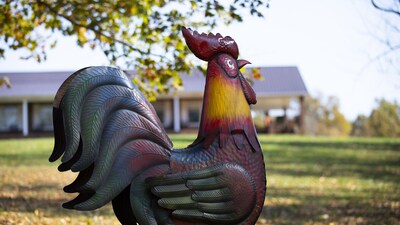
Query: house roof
279, 81
32, 85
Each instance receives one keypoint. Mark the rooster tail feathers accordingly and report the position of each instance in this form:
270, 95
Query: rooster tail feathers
71, 105
105, 129
59, 135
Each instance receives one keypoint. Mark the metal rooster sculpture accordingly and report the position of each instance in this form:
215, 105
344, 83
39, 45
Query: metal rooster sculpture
107, 130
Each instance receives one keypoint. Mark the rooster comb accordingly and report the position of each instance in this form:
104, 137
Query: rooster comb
205, 46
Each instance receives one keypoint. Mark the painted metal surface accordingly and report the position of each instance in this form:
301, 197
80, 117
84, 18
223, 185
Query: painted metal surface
106, 130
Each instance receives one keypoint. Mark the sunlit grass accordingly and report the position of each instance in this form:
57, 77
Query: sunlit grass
322, 180
311, 180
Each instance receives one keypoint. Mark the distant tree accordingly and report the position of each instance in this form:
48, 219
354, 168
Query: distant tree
337, 122
313, 112
360, 126
145, 35
390, 30
325, 118
384, 121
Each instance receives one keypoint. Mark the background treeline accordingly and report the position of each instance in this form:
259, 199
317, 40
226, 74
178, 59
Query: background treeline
323, 117
384, 121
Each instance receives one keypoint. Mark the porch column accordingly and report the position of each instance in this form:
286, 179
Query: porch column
25, 119
302, 112
177, 118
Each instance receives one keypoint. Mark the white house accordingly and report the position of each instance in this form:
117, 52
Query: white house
26, 108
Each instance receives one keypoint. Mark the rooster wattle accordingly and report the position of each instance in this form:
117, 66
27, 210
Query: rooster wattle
106, 130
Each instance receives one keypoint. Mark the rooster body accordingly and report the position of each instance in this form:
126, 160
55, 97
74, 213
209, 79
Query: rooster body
106, 130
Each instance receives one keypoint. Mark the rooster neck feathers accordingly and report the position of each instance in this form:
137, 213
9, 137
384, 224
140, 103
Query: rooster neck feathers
226, 111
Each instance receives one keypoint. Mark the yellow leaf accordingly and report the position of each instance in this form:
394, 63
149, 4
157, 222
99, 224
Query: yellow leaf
256, 74
82, 34
134, 10
5, 81
167, 39
180, 46
104, 39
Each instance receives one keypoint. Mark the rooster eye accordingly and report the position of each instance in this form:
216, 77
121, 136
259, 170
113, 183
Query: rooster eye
229, 65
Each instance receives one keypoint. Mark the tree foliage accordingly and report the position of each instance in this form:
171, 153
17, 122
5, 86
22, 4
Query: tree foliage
324, 117
360, 127
143, 35
384, 121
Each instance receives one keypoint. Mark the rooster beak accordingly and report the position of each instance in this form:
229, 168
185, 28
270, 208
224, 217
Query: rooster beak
242, 62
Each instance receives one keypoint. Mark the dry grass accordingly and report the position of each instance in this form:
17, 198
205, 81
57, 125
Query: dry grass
310, 181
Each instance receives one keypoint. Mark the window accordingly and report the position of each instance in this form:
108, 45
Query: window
194, 115
42, 119
164, 110
10, 118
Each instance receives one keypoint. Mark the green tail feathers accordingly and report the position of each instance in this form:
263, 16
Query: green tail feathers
106, 130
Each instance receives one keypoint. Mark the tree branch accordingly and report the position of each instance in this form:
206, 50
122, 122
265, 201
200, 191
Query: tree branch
385, 9
379, 57
97, 32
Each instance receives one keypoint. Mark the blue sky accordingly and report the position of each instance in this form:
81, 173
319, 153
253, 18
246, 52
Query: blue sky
331, 42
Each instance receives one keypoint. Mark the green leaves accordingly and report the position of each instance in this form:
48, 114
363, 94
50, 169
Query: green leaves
384, 120
141, 35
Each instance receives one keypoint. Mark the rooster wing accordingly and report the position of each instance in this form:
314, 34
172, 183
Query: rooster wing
210, 195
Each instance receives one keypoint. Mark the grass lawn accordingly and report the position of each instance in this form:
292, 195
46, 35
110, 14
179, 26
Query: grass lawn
311, 180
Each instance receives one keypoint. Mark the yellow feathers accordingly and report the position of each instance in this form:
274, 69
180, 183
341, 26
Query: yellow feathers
225, 99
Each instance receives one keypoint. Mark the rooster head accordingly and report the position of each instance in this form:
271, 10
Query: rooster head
227, 95
221, 53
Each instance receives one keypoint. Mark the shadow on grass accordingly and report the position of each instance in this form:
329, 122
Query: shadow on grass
22, 204
324, 208
47, 197
33, 188
351, 213
47, 206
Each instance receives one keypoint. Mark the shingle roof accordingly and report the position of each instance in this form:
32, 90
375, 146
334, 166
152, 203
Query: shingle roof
279, 81
36, 84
